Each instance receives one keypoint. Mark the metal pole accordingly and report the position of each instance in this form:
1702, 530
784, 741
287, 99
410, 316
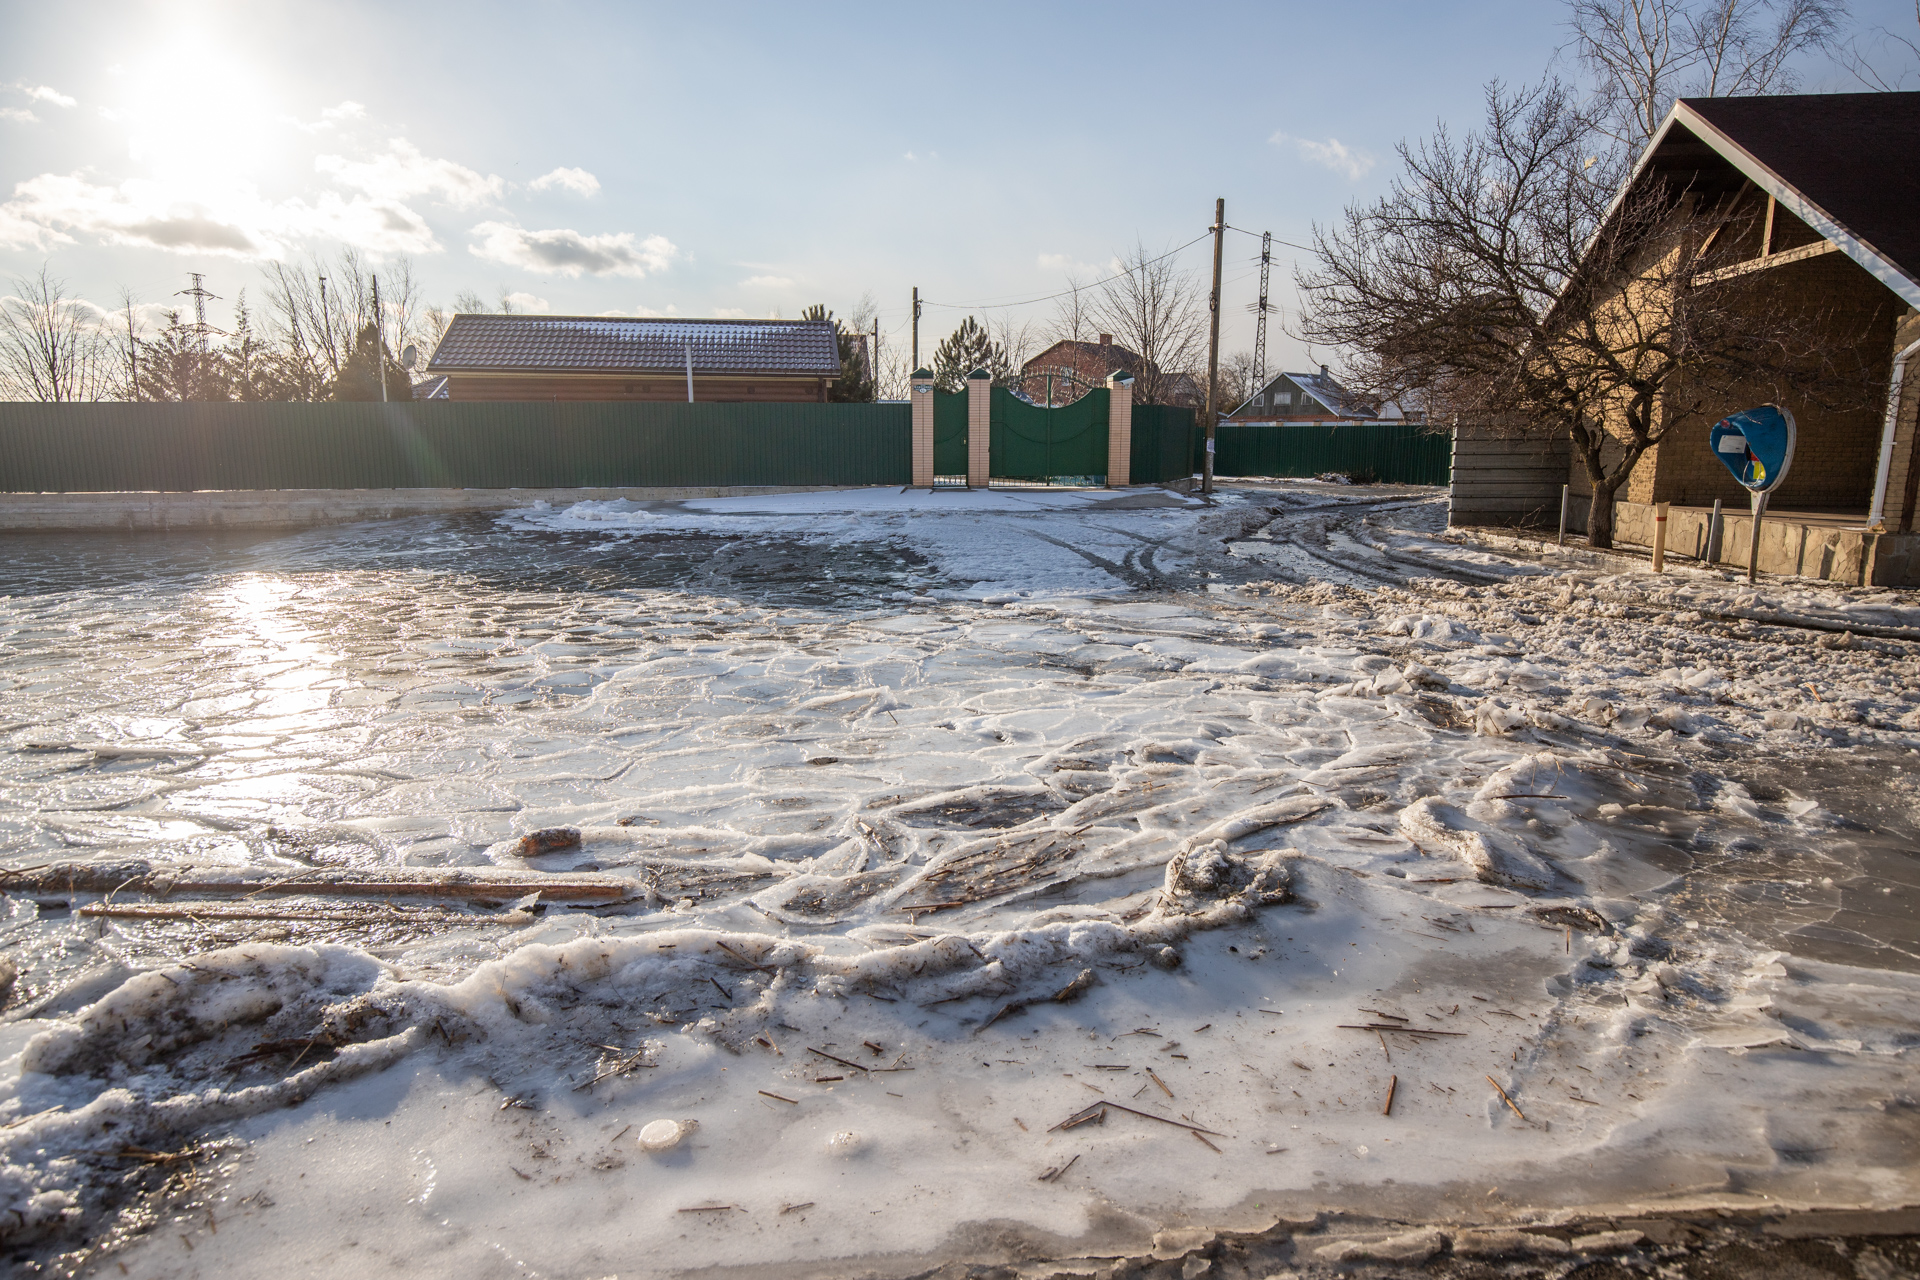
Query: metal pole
1713, 533
1753, 542
1561, 541
916, 327
1660, 536
379, 343
689, 373
1213, 342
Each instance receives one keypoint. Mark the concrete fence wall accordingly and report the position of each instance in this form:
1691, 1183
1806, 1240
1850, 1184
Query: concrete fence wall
1506, 480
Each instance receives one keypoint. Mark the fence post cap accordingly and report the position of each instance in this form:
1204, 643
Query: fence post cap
922, 374
979, 375
1121, 379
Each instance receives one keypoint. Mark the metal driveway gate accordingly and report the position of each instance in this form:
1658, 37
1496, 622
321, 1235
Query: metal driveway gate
1058, 445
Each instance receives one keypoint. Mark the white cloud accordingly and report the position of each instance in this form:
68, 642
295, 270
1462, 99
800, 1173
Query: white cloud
578, 181
331, 116
1332, 154
729, 313
19, 115
403, 171
569, 253
911, 156
236, 222
40, 93
527, 302
767, 282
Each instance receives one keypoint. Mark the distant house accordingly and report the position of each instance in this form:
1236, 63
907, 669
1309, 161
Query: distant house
1071, 369
521, 357
1303, 397
431, 388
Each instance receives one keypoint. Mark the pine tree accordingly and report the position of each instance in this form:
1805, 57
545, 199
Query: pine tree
177, 365
855, 385
968, 348
357, 380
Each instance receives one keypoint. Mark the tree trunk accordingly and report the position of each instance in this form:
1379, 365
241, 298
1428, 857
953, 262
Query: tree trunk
1600, 516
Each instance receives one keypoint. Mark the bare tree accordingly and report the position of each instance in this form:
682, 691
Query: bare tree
1646, 53
1495, 280
127, 335
317, 311
1899, 47
52, 347
1157, 311
1016, 340
1072, 319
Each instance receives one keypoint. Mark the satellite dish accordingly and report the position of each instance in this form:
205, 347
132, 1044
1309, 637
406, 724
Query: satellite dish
409, 356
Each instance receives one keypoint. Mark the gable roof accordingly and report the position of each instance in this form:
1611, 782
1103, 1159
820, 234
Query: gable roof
615, 344
1110, 357
1322, 387
1843, 163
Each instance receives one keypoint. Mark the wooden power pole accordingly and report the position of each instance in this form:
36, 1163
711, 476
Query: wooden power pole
916, 330
1213, 344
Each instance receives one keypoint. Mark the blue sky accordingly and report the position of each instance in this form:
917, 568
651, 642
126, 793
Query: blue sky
723, 159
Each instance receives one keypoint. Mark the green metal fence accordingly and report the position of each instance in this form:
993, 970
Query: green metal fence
1164, 440
1384, 452
950, 433
440, 444
1037, 443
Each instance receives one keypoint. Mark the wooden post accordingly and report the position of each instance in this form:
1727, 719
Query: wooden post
1213, 343
1119, 431
922, 394
979, 428
1660, 536
916, 326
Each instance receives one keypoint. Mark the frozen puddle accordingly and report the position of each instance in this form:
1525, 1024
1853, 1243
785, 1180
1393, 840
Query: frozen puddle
956, 929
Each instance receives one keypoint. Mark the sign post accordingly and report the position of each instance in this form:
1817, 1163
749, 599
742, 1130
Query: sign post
1757, 447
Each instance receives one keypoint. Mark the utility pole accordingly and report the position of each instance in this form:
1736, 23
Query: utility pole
379, 343
873, 357
1260, 319
1213, 343
916, 329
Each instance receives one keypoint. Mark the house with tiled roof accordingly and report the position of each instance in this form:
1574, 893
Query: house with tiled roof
523, 357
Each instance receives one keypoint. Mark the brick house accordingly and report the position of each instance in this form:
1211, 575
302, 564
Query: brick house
496, 357
1071, 369
1830, 188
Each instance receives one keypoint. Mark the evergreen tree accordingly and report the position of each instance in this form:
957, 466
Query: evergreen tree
855, 385
358, 381
968, 348
177, 364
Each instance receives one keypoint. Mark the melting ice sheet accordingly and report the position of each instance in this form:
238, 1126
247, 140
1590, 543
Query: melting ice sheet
958, 928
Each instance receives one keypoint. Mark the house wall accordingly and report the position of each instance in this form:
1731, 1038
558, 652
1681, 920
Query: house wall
599, 387
1837, 449
1903, 479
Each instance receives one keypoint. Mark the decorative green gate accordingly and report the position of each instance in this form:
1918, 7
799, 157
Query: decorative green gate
950, 436
1035, 444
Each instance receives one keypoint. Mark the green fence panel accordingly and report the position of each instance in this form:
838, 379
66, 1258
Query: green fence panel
949, 433
1034, 442
440, 444
1163, 443
1385, 452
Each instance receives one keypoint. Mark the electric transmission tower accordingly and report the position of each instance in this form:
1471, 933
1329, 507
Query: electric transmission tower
1260, 319
199, 294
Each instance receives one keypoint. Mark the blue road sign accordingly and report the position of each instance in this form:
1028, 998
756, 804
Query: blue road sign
1756, 445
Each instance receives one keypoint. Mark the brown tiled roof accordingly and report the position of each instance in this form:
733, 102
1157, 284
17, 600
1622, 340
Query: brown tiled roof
611, 344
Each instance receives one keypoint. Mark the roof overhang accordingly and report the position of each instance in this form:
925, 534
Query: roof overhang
1870, 259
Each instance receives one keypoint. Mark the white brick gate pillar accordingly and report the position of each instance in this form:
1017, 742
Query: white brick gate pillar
922, 383
979, 427
1119, 430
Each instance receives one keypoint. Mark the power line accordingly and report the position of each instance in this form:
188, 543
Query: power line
996, 306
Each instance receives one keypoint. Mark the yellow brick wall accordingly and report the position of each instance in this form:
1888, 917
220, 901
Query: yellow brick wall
1837, 450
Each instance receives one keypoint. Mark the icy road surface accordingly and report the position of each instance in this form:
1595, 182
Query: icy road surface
1013, 875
